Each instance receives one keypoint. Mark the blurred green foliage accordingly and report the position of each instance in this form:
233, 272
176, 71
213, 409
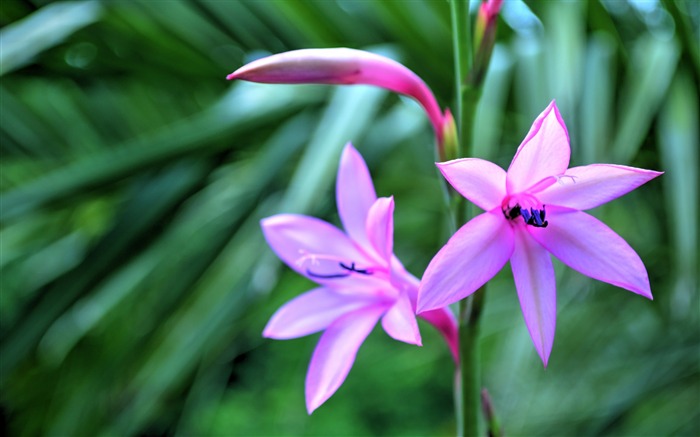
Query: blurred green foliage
136, 282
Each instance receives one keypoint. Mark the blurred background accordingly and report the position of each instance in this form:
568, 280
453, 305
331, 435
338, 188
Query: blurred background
135, 279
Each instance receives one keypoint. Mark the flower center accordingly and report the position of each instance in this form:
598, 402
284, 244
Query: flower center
527, 207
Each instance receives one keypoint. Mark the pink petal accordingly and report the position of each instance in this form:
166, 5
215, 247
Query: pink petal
474, 254
585, 244
343, 66
380, 227
335, 354
593, 185
534, 279
400, 322
311, 312
490, 9
308, 244
354, 193
544, 152
482, 182
444, 321
403, 281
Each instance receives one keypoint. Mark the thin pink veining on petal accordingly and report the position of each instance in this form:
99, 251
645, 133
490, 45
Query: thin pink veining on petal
311, 312
335, 354
343, 66
380, 227
592, 185
480, 181
354, 194
534, 277
587, 245
474, 254
400, 322
545, 152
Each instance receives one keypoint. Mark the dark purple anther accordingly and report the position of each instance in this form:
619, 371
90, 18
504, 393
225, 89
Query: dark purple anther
349, 270
533, 217
536, 218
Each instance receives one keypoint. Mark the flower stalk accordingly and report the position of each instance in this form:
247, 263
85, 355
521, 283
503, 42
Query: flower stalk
468, 376
462, 51
470, 372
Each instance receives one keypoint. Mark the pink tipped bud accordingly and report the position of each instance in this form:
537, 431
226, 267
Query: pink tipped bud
342, 66
489, 10
449, 148
484, 39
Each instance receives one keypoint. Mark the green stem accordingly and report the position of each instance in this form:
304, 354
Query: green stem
470, 401
462, 51
468, 376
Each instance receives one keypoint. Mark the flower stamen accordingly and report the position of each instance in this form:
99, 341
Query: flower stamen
348, 271
533, 217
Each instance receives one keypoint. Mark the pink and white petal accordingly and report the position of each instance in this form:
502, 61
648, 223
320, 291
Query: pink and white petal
544, 152
311, 312
400, 321
587, 245
535, 281
480, 181
305, 243
354, 193
380, 228
474, 254
335, 354
343, 66
444, 321
593, 185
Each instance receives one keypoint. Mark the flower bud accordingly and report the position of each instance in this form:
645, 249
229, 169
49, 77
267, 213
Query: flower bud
484, 39
450, 147
343, 66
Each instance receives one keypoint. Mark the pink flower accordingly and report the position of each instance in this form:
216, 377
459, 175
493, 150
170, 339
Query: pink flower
361, 281
342, 66
533, 209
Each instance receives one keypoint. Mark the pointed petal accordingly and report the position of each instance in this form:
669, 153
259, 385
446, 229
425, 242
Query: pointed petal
354, 193
308, 244
585, 244
444, 321
480, 181
400, 322
311, 312
474, 254
535, 281
343, 66
335, 354
380, 227
593, 185
403, 281
544, 152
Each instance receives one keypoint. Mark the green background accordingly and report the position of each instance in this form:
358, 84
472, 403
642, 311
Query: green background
135, 279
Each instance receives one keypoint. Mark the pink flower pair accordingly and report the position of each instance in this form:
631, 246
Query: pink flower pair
531, 211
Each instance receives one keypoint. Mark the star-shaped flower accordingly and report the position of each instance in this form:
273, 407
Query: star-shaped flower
361, 281
532, 210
